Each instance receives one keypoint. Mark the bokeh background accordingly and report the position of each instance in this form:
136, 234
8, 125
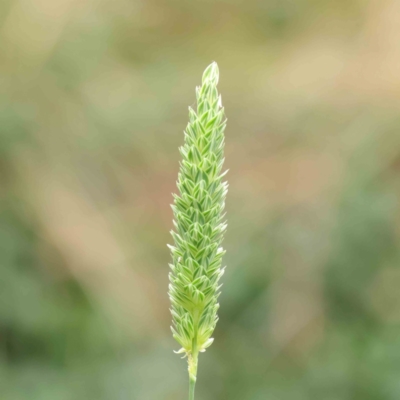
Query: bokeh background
93, 103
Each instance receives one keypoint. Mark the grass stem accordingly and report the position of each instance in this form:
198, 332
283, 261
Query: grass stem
192, 384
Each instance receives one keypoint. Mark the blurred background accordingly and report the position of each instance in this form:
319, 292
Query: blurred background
93, 103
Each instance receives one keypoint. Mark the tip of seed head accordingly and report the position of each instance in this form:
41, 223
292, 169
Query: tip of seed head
211, 74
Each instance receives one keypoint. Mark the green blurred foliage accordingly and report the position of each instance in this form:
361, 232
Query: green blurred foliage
93, 102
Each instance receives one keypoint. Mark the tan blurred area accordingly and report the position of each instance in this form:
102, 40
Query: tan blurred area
93, 103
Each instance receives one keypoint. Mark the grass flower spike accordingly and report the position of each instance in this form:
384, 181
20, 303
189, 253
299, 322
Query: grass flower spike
199, 225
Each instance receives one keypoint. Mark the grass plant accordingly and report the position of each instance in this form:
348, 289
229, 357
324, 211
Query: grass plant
199, 226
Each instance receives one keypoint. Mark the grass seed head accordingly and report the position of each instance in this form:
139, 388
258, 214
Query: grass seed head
199, 223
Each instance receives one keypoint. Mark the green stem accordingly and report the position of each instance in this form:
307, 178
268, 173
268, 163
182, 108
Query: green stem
192, 384
192, 359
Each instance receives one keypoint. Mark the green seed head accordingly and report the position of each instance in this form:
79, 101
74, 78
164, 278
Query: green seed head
199, 222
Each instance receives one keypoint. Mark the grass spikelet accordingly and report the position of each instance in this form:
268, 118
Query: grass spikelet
199, 226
